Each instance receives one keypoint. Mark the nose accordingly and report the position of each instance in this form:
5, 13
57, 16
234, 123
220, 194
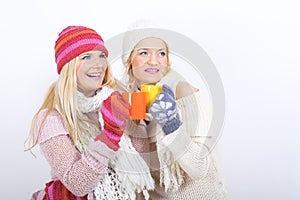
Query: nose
153, 60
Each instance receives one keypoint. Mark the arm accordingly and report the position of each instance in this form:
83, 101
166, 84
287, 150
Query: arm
139, 138
192, 138
78, 172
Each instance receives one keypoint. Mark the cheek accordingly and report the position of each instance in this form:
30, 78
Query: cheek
136, 71
164, 62
104, 73
137, 62
78, 73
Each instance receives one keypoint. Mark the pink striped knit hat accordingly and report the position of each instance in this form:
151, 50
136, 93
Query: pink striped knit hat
75, 40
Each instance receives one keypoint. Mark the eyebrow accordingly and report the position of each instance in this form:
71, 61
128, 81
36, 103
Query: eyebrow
90, 53
85, 54
148, 48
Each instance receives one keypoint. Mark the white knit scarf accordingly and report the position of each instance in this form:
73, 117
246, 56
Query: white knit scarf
171, 174
127, 173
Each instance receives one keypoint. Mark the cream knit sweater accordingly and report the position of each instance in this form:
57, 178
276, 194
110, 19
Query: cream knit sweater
191, 147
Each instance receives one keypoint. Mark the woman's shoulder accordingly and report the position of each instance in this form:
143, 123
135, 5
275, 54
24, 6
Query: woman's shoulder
48, 114
50, 124
184, 89
172, 76
171, 79
178, 84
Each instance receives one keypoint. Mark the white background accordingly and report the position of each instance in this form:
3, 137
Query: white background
255, 46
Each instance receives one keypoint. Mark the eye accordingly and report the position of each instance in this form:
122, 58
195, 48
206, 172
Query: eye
86, 57
102, 55
143, 53
162, 53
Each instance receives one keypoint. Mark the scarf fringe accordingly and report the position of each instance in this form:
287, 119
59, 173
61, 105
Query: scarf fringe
132, 170
171, 174
133, 174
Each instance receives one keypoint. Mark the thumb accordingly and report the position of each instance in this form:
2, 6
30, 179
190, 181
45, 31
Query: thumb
167, 90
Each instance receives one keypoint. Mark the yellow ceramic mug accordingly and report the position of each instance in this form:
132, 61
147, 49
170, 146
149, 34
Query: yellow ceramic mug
151, 92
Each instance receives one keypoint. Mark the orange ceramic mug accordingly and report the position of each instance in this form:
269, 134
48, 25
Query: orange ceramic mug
151, 92
137, 103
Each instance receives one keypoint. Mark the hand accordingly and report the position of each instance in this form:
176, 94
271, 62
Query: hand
164, 111
114, 111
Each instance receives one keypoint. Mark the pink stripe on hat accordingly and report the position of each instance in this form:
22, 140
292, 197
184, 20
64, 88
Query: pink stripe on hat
75, 40
78, 44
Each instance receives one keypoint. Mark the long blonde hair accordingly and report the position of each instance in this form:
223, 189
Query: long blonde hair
61, 97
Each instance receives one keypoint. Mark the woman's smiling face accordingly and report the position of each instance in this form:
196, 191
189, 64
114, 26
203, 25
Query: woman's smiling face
91, 72
150, 61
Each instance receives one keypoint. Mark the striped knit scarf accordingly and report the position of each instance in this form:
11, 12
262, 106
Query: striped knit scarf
56, 190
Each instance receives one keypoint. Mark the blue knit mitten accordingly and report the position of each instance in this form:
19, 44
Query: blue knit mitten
164, 111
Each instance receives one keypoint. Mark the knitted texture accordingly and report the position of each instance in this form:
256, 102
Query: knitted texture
202, 177
81, 172
140, 30
209, 187
110, 187
114, 111
75, 40
89, 171
53, 126
164, 111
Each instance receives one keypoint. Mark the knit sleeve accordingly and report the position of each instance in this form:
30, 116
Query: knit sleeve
52, 126
190, 144
139, 138
79, 173
196, 114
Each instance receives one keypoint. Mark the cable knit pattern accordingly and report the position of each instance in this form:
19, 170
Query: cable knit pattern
196, 110
190, 146
208, 188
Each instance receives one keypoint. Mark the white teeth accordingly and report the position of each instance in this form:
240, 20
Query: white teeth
151, 70
94, 75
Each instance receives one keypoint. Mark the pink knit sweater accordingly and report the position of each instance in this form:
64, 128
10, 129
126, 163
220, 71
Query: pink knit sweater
79, 172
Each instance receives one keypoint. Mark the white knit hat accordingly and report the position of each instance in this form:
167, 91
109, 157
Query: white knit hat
139, 31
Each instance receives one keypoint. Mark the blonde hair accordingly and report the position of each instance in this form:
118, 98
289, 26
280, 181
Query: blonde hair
128, 67
61, 97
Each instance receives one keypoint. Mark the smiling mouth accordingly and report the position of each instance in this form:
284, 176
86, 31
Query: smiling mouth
152, 70
94, 75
